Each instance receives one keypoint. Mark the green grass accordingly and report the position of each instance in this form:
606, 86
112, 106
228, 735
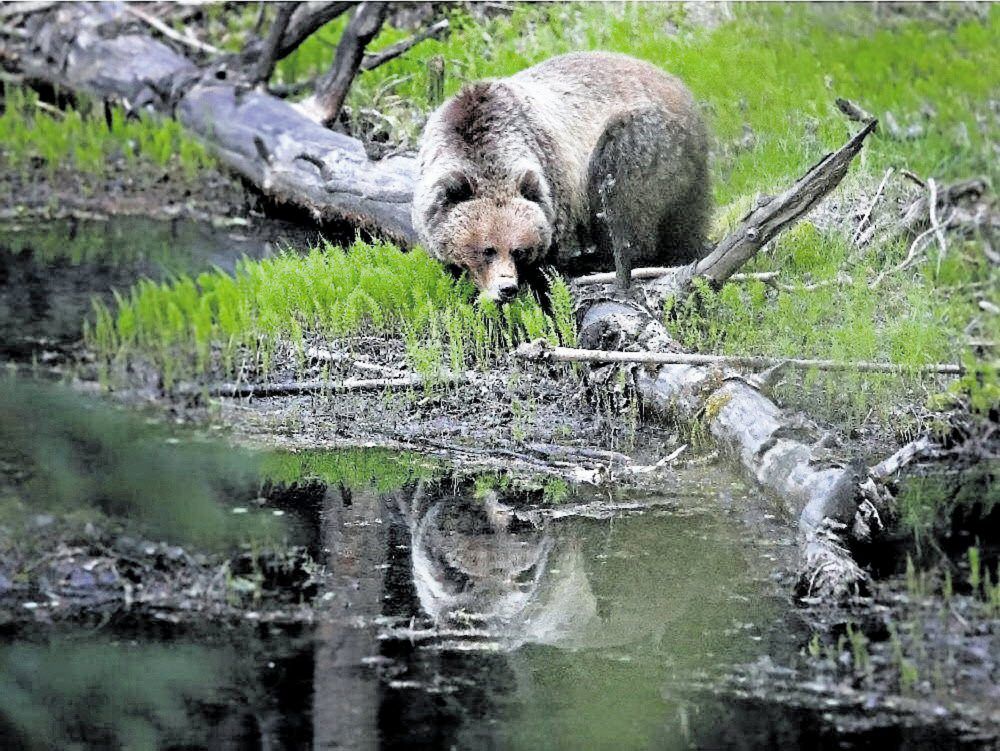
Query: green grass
774, 68
191, 326
770, 70
83, 139
849, 321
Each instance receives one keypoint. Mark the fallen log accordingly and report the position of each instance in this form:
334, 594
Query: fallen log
264, 139
297, 161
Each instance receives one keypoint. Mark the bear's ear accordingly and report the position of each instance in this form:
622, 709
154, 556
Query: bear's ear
530, 186
455, 187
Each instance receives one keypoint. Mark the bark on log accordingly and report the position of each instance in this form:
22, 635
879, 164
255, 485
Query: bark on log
296, 160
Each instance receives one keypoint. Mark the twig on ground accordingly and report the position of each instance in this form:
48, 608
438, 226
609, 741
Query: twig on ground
298, 388
871, 206
170, 33
770, 278
645, 469
935, 223
912, 254
374, 59
540, 349
50, 108
913, 178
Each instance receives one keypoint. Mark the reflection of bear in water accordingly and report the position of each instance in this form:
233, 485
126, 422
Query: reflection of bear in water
472, 557
570, 582
585, 158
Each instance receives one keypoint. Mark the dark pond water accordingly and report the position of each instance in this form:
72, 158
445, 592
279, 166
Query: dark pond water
450, 621
50, 273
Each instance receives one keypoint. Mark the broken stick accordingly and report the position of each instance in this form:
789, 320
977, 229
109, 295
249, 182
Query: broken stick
540, 349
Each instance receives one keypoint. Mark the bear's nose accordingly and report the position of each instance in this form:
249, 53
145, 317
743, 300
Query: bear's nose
507, 291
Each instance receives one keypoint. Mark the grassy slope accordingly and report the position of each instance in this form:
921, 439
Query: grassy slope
767, 78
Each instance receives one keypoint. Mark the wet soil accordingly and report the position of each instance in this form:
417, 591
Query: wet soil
35, 191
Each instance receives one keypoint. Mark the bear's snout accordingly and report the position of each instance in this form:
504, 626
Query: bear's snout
506, 291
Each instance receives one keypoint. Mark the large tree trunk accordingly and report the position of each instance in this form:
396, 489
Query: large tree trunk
297, 161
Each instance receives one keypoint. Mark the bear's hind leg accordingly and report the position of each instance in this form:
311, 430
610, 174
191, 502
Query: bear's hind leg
647, 188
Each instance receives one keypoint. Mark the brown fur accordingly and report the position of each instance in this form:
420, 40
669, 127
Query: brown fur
581, 161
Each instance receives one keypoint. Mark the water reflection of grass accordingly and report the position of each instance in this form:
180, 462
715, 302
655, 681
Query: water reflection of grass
107, 695
75, 455
352, 468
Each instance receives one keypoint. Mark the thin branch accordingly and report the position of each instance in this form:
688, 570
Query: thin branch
298, 388
912, 254
308, 18
170, 33
770, 278
269, 56
541, 350
375, 59
935, 223
871, 206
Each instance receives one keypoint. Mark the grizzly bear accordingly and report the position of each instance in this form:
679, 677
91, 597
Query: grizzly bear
583, 161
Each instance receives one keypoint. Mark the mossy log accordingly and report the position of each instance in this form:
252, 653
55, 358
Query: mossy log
289, 157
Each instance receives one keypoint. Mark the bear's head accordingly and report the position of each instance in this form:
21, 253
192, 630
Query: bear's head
493, 228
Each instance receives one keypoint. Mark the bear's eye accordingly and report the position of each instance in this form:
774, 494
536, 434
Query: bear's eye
489, 253
520, 253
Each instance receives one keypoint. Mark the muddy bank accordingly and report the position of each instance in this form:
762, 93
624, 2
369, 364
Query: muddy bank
36, 191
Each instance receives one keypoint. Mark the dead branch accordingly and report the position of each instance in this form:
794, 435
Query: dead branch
911, 255
781, 212
170, 33
374, 59
269, 56
871, 207
854, 111
24, 8
308, 18
935, 222
299, 388
770, 278
541, 350
13, 31
331, 90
